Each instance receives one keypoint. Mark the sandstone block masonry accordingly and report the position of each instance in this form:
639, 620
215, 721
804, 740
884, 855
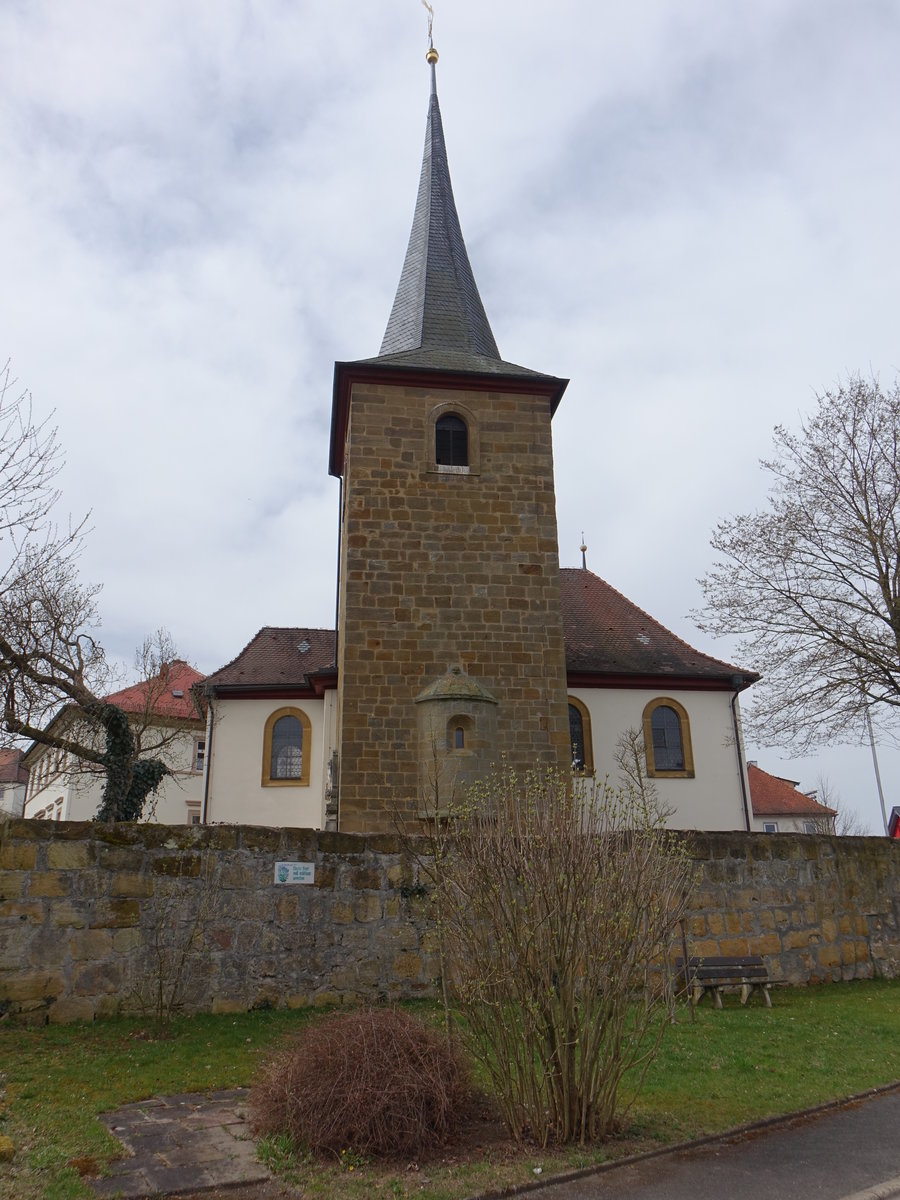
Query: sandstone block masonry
81, 905
445, 568
819, 909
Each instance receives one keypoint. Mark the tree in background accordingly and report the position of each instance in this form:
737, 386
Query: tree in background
559, 906
50, 655
846, 822
810, 585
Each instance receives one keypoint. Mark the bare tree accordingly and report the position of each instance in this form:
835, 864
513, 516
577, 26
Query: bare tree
631, 759
50, 654
30, 460
811, 584
846, 822
172, 967
560, 904
54, 675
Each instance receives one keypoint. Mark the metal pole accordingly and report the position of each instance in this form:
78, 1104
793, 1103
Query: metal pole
877, 772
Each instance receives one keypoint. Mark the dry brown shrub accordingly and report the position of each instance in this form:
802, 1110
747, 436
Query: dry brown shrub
375, 1081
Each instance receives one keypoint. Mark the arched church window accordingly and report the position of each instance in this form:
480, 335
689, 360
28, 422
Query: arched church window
667, 739
451, 441
580, 737
286, 744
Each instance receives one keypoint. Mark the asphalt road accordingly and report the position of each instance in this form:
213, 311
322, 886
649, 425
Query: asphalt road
852, 1152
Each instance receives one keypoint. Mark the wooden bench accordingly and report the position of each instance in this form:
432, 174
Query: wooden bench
714, 973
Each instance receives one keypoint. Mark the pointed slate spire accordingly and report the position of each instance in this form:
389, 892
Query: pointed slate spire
437, 310
438, 326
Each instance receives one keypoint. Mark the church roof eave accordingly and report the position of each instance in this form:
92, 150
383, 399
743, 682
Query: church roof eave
411, 371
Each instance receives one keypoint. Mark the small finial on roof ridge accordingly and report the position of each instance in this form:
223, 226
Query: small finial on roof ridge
583, 552
431, 55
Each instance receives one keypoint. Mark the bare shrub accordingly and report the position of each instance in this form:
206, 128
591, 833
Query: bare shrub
375, 1081
171, 968
561, 903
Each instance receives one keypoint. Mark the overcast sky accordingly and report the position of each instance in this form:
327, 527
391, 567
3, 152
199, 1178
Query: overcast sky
687, 207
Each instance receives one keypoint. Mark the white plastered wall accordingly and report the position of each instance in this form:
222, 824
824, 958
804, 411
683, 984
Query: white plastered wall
12, 797
75, 795
236, 792
786, 824
713, 798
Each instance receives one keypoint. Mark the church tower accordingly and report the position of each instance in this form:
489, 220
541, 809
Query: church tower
450, 639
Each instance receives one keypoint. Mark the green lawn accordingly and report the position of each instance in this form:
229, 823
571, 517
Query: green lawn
728, 1068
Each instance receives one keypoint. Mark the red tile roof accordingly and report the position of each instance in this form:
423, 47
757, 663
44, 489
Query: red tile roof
772, 796
277, 657
608, 635
11, 769
171, 694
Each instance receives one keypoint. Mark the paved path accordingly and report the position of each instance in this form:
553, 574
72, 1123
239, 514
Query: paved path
852, 1151
202, 1141
181, 1144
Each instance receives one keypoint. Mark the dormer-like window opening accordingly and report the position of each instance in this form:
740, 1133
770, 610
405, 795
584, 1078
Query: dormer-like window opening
451, 441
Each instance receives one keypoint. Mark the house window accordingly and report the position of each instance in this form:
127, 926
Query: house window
580, 737
667, 740
459, 738
810, 827
770, 826
286, 746
199, 753
451, 441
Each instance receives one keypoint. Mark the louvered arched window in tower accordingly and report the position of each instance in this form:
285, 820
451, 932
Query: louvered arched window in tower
451, 441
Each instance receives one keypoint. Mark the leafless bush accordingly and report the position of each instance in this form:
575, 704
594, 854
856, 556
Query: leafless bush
374, 1081
171, 967
561, 903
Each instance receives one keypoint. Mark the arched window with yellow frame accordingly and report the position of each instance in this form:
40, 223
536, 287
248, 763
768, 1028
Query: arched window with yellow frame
581, 737
286, 749
667, 740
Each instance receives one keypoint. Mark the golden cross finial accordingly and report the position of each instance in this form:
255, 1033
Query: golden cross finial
425, 4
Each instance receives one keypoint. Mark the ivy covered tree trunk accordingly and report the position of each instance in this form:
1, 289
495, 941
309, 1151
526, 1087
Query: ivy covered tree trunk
129, 779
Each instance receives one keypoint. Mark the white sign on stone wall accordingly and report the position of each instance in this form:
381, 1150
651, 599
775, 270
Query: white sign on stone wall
295, 872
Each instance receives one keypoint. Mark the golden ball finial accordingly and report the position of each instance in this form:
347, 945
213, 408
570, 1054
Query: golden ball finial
431, 55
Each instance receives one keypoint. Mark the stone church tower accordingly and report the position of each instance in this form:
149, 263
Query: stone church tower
450, 639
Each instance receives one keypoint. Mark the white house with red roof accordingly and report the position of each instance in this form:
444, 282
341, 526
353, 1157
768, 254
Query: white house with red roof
780, 807
165, 715
13, 778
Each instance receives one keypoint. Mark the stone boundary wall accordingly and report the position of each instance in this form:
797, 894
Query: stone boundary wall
818, 908
82, 906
